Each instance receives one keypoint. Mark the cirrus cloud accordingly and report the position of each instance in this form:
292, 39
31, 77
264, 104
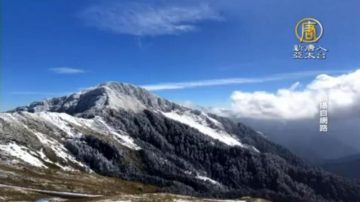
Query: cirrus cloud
141, 19
231, 81
67, 70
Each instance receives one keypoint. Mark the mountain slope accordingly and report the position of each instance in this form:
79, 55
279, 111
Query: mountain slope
121, 130
347, 166
302, 137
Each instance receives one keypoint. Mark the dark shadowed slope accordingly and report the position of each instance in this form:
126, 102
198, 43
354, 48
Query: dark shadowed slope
348, 166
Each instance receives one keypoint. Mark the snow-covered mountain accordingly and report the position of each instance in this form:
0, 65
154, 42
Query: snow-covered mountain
120, 130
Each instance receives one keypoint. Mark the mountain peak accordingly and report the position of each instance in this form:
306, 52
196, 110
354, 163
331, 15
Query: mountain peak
176, 148
116, 84
112, 95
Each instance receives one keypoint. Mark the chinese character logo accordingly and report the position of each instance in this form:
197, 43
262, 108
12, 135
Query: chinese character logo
308, 30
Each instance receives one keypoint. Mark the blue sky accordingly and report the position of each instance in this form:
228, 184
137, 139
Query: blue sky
53, 47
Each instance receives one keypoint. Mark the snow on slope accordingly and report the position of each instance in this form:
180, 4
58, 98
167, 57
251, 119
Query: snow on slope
47, 140
122, 138
54, 127
66, 123
22, 153
208, 126
207, 179
58, 149
200, 122
118, 100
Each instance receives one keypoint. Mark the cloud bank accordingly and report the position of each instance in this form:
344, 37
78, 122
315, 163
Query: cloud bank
342, 93
141, 19
290, 116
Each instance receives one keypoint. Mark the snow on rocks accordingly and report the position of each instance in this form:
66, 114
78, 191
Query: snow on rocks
121, 136
207, 179
200, 123
22, 153
53, 124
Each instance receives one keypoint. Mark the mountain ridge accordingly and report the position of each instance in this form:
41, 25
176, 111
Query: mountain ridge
107, 94
124, 131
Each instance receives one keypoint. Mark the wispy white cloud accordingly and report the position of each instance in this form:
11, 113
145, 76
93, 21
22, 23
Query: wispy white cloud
67, 70
141, 19
229, 81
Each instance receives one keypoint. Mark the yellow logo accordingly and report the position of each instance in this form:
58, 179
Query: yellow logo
309, 30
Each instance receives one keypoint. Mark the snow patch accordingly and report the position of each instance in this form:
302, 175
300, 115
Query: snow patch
118, 100
207, 179
59, 150
201, 125
253, 148
22, 153
214, 121
62, 121
122, 138
66, 123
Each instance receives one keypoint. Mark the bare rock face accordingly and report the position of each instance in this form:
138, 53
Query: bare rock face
124, 131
